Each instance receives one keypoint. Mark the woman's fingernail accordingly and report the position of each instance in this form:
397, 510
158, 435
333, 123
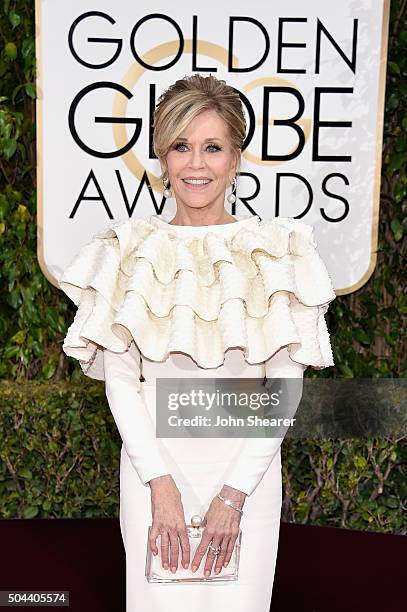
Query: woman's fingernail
225, 564
194, 568
165, 565
173, 569
207, 572
217, 570
185, 565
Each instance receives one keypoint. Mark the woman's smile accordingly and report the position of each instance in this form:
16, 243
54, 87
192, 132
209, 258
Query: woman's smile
196, 184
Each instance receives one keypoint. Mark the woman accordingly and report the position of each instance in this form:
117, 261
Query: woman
200, 295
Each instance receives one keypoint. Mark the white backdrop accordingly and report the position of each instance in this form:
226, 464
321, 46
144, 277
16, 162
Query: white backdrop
321, 61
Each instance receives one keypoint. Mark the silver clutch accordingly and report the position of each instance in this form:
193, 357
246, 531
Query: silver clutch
156, 573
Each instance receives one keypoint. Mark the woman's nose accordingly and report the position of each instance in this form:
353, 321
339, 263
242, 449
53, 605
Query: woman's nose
196, 159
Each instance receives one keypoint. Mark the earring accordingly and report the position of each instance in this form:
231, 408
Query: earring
231, 197
167, 191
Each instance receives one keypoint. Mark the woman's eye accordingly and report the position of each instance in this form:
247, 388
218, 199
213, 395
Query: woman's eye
214, 147
182, 146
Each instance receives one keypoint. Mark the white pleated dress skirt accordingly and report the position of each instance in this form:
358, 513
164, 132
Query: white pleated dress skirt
199, 467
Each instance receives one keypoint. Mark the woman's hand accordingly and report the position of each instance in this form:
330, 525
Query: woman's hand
222, 525
169, 521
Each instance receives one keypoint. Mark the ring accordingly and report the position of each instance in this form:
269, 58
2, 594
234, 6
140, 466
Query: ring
215, 550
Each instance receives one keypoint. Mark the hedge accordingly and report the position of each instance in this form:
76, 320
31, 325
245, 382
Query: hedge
355, 483
61, 452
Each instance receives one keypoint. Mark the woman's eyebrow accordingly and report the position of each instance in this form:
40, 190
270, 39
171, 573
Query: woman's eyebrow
206, 139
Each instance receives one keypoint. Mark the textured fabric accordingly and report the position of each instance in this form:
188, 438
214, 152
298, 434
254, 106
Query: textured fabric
256, 285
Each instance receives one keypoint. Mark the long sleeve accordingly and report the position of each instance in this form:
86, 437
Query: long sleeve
122, 376
258, 453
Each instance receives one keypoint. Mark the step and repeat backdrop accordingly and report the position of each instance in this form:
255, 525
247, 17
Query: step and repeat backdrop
311, 78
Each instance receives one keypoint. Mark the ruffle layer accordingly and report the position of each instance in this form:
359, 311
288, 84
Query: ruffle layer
259, 289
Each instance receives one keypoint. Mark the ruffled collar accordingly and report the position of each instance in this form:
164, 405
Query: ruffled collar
257, 285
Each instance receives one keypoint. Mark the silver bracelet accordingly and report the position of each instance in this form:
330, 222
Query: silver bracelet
229, 503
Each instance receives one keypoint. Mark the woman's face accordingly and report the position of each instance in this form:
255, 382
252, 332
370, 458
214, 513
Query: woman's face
201, 162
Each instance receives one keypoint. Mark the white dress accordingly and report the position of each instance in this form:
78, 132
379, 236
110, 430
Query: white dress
243, 299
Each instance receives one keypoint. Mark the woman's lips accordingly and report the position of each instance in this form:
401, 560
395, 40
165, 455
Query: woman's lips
196, 187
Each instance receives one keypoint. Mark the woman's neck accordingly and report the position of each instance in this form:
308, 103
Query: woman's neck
201, 219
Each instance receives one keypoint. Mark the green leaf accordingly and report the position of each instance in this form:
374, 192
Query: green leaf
345, 370
11, 351
359, 462
19, 337
396, 161
48, 370
30, 90
30, 512
9, 147
397, 229
15, 19
394, 68
10, 50
28, 47
392, 502
25, 473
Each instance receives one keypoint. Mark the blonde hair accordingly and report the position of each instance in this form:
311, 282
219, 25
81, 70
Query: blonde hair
185, 100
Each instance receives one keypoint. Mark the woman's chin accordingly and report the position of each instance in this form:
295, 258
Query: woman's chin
194, 200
